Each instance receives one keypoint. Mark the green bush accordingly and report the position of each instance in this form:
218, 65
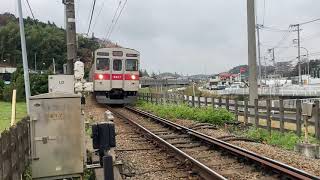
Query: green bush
1, 88
173, 111
38, 85
285, 140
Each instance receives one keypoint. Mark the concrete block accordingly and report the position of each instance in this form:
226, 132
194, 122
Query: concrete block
308, 150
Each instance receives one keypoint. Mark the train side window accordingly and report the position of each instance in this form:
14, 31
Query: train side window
132, 65
117, 64
103, 64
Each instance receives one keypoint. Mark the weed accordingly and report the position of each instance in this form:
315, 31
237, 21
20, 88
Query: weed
173, 111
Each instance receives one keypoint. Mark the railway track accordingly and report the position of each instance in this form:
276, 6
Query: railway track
209, 157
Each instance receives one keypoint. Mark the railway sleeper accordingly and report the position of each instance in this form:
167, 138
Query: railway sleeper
173, 136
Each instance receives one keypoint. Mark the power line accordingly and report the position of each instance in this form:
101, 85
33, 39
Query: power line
113, 19
30, 9
93, 6
274, 29
101, 7
117, 18
307, 22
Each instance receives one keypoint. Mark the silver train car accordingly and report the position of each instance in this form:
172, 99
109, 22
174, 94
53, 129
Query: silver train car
115, 75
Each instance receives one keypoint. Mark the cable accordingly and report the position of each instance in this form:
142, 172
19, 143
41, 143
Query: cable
93, 6
307, 22
273, 29
30, 9
95, 22
117, 18
112, 21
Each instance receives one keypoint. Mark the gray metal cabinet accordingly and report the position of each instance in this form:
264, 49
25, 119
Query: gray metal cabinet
57, 135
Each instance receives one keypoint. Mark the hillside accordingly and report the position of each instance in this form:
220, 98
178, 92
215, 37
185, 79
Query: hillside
45, 41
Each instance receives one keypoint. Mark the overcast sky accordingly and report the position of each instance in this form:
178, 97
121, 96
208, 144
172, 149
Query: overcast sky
187, 36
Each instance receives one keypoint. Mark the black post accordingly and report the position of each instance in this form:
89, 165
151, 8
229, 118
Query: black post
213, 102
227, 103
192, 101
199, 101
108, 168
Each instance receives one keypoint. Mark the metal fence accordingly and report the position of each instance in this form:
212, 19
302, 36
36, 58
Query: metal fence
262, 111
14, 151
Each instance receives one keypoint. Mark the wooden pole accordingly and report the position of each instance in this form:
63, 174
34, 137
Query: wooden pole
316, 119
298, 117
236, 109
256, 112
13, 108
246, 112
281, 108
269, 115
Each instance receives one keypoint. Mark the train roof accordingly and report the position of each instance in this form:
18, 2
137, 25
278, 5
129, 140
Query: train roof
116, 49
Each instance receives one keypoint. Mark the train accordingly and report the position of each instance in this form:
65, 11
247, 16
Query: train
115, 75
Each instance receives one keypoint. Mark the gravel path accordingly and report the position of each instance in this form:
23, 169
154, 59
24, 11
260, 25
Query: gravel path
141, 159
285, 156
228, 166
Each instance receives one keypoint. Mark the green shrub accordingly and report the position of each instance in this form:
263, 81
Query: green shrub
38, 85
173, 111
1, 88
285, 140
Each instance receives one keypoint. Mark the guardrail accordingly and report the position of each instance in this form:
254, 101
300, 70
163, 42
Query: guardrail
14, 150
261, 110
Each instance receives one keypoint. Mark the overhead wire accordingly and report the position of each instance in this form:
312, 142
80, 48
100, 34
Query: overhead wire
113, 19
124, 5
92, 11
311, 21
30, 9
98, 15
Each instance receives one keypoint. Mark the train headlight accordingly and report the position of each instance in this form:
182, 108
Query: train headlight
100, 76
133, 77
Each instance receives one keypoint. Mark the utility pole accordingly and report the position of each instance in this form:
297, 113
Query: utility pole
297, 26
252, 53
273, 60
24, 57
35, 61
54, 66
71, 34
259, 52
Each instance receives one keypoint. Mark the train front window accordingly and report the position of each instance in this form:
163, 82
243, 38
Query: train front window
117, 64
132, 65
103, 64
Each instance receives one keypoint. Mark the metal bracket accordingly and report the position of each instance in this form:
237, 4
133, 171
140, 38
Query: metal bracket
45, 139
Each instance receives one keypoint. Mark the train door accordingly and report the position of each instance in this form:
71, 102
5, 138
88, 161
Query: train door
117, 74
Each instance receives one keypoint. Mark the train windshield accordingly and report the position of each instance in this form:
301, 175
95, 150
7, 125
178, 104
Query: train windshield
103, 64
132, 65
117, 65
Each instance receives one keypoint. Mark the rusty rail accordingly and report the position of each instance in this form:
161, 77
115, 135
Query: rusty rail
277, 167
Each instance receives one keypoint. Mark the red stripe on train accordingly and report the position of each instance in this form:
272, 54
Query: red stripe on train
116, 77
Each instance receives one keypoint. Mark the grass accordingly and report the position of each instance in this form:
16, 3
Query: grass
284, 140
173, 111
5, 113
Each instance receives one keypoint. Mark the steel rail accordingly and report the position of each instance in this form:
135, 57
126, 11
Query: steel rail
276, 166
204, 171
